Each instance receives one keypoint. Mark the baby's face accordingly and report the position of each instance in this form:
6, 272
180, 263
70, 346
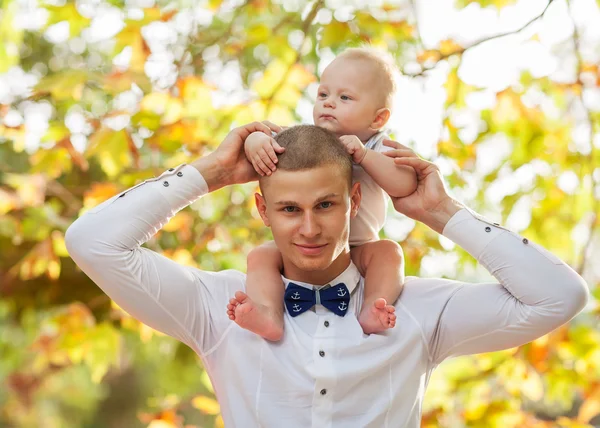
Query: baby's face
347, 99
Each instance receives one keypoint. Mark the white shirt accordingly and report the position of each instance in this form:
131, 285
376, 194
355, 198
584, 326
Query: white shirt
369, 220
324, 372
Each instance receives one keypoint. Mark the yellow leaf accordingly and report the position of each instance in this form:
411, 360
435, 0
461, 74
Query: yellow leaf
8, 202
428, 55
52, 162
11, 36
163, 104
590, 407
206, 405
448, 47
219, 423
196, 96
131, 36
68, 13
335, 34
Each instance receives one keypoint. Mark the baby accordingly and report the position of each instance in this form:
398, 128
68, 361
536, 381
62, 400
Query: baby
354, 101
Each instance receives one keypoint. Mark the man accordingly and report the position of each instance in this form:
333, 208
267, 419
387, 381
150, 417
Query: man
324, 372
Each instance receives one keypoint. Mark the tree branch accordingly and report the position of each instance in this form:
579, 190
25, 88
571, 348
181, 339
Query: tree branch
462, 50
305, 27
591, 156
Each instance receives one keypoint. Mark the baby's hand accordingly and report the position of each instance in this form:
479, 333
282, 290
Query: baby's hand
260, 151
354, 147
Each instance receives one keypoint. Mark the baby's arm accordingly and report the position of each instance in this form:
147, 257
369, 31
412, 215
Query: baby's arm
261, 151
382, 265
396, 180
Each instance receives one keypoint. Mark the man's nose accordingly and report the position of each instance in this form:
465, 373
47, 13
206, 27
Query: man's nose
310, 226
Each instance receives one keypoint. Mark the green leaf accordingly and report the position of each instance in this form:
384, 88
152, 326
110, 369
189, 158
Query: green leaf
111, 149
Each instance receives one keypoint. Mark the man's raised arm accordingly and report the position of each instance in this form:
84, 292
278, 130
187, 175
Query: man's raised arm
536, 291
106, 244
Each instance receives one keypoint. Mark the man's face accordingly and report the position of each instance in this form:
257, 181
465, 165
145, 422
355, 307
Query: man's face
309, 214
347, 99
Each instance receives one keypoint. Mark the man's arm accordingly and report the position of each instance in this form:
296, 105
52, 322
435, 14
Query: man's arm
536, 292
182, 302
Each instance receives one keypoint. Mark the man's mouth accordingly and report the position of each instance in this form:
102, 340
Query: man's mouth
311, 249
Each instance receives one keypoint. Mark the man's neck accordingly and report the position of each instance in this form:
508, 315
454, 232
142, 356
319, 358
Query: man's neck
317, 277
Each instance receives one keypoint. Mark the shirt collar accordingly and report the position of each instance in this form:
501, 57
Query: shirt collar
350, 277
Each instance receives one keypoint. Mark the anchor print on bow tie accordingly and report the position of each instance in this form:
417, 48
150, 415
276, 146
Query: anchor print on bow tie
300, 299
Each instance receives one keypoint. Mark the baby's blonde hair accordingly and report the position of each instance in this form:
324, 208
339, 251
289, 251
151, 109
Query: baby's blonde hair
383, 64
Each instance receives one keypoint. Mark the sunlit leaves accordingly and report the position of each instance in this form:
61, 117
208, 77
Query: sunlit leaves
498, 4
10, 37
206, 405
335, 33
66, 85
67, 13
111, 149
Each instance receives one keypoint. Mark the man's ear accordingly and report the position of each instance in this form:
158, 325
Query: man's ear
381, 118
355, 198
261, 206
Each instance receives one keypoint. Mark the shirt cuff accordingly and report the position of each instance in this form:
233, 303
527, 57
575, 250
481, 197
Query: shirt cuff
471, 231
180, 186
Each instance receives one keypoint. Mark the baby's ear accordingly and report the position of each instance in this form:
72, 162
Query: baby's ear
381, 118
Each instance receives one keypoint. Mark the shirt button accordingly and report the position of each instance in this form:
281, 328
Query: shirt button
326, 323
322, 353
525, 241
180, 174
166, 183
488, 229
323, 391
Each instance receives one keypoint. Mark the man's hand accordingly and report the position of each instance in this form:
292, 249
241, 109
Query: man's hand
228, 164
354, 147
261, 150
430, 202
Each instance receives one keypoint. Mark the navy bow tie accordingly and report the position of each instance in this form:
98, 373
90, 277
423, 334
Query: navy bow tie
300, 299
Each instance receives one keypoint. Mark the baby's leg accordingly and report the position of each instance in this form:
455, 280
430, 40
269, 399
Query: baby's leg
382, 265
261, 309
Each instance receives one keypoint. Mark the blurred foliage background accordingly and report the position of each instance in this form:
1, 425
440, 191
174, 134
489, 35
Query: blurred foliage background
96, 95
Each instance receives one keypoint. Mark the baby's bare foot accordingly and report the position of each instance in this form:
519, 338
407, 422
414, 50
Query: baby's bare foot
377, 316
257, 318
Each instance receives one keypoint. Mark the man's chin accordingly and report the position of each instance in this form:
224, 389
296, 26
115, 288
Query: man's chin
312, 264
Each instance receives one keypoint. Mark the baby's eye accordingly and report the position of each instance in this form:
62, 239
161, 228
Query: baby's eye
325, 205
322, 94
345, 97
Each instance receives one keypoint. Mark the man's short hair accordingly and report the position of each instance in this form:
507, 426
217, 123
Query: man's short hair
309, 146
383, 65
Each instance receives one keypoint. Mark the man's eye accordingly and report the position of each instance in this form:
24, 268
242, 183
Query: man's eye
325, 204
289, 209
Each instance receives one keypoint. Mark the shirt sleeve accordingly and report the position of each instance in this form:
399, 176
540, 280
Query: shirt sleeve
183, 302
536, 292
